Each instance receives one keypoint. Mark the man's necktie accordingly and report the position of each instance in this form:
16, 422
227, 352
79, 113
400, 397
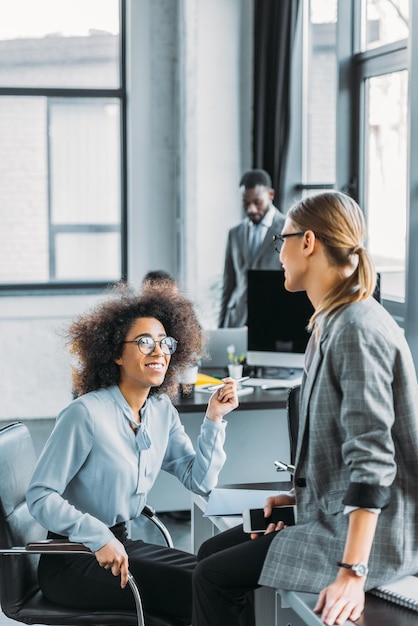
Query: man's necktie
256, 241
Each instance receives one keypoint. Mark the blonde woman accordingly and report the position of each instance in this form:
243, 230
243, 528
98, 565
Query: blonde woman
357, 452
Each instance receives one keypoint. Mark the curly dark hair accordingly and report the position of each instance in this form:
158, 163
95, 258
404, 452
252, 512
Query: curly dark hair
96, 338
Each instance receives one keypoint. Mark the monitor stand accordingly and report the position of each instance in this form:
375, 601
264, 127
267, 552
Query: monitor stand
277, 373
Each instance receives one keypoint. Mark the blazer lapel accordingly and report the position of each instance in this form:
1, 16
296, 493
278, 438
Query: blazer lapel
307, 385
267, 242
244, 242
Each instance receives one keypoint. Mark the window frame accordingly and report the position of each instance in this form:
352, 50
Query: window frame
385, 59
119, 93
353, 68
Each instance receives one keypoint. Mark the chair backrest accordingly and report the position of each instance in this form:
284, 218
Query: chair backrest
20, 596
18, 577
293, 403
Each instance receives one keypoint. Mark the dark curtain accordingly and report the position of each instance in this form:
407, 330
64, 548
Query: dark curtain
274, 30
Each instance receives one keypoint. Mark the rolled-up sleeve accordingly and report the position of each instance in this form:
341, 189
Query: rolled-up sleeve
367, 415
198, 470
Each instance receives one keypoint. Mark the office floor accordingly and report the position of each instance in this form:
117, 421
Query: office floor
180, 531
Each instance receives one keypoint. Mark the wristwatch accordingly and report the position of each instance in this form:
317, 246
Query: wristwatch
360, 569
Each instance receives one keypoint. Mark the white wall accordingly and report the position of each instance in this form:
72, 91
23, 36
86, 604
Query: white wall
152, 135
189, 131
35, 373
190, 136
216, 137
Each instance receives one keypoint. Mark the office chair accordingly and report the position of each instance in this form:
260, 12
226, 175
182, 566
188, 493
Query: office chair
292, 407
22, 539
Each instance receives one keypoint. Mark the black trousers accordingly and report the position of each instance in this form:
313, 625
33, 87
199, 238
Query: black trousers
228, 569
164, 577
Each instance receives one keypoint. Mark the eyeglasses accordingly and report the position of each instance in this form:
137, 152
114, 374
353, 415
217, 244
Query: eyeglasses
146, 345
279, 240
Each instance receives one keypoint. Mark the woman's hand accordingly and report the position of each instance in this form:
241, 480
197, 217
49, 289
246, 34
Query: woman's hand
342, 600
223, 400
113, 557
285, 499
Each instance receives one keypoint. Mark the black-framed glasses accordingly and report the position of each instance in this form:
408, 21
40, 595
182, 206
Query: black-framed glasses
279, 240
146, 345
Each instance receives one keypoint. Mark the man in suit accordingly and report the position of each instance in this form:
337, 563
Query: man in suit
249, 246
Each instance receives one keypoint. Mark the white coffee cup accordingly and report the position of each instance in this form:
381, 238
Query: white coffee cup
187, 380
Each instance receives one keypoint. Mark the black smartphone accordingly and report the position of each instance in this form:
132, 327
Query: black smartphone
255, 522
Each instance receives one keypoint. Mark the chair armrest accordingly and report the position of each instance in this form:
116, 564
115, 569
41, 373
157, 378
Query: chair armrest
56, 545
148, 511
48, 546
150, 514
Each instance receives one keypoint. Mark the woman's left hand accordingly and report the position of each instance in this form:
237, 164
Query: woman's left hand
342, 600
223, 400
112, 556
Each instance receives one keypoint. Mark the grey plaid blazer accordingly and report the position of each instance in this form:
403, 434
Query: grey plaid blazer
358, 424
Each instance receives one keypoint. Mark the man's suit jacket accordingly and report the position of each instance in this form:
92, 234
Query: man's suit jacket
233, 311
358, 424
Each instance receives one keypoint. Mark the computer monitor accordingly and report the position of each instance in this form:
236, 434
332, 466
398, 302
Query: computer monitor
277, 321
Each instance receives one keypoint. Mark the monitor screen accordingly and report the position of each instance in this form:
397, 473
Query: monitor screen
277, 321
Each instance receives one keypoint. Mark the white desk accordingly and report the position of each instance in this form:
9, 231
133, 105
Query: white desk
205, 527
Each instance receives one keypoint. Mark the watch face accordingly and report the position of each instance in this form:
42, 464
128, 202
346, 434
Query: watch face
361, 569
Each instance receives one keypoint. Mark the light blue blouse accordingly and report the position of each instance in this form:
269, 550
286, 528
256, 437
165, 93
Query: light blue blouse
95, 472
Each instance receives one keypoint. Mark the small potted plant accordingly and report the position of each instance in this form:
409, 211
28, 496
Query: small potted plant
235, 362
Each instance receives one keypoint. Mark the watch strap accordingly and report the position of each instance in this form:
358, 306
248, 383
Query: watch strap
360, 569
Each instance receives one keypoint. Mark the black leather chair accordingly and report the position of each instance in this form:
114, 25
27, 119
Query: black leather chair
293, 402
292, 408
22, 539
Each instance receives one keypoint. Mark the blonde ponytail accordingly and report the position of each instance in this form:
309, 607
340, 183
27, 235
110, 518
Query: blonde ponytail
337, 221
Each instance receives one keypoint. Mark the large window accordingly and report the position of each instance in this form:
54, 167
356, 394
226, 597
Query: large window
382, 136
61, 143
355, 93
385, 177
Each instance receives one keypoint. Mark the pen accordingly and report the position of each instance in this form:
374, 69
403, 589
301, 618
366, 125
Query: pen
215, 387
283, 467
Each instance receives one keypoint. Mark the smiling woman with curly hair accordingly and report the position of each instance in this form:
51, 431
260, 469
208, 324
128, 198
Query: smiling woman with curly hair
109, 444
97, 338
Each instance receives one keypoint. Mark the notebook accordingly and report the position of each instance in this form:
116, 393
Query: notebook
403, 592
218, 341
